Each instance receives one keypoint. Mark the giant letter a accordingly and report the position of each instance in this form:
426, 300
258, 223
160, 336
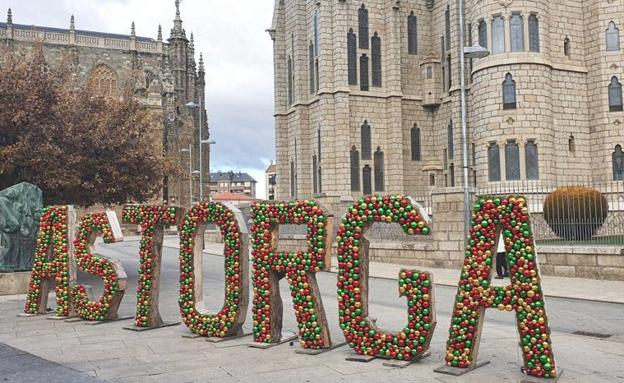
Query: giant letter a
524, 295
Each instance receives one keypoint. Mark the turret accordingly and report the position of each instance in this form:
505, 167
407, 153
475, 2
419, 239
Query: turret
178, 52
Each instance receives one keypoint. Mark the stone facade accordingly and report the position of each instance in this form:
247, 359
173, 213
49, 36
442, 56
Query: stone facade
556, 52
163, 75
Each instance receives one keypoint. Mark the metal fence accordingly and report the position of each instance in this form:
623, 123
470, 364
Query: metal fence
581, 217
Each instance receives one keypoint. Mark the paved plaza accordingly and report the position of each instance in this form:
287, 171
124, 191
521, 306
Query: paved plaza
58, 351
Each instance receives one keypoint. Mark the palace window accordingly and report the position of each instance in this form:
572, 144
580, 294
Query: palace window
317, 33
567, 47
571, 144
293, 180
291, 90
314, 174
534, 34
483, 40
531, 160
352, 57
365, 136
415, 139
312, 69
355, 169
103, 81
498, 35
451, 142
412, 34
618, 164
613, 37
379, 170
615, 95
367, 180
516, 25
512, 161
363, 26
449, 69
509, 93
364, 72
452, 175
494, 163
447, 26
376, 60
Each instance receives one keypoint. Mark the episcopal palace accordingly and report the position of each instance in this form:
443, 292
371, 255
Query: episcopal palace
367, 96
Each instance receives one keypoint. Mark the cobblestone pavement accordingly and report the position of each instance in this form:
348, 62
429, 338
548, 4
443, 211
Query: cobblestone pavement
112, 354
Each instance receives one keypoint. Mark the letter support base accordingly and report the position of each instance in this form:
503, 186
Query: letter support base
404, 363
25, 315
286, 337
535, 379
216, 339
310, 351
58, 318
456, 371
97, 323
143, 329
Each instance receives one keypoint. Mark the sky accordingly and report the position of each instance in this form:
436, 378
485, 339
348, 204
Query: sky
238, 56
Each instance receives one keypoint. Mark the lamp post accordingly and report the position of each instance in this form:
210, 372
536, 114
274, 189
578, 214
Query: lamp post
190, 152
193, 106
475, 51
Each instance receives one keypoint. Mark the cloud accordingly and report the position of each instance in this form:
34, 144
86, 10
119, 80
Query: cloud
238, 55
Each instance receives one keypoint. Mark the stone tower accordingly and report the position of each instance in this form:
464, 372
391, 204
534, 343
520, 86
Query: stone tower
367, 96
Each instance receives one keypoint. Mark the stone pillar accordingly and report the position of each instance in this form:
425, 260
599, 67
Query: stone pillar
448, 227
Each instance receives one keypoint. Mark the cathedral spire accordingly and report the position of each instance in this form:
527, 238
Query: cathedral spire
177, 22
72, 23
201, 63
192, 43
10, 17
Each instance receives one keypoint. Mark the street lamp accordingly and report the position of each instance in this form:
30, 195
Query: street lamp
193, 106
475, 51
190, 152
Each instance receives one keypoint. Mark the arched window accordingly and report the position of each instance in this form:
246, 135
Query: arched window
312, 69
447, 26
618, 164
494, 163
449, 70
103, 81
352, 57
432, 179
415, 139
509, 93
450, 140
534, 34
615, 95
412, 34
516, 28
291, 90
355, 169
498, 35
531, 160
571, 144
363, 26
567, 47
364, 72
512, 161
483, 40
379, 170
367, 180
365, 136
376, 60
320, 180
318, 143
613, 37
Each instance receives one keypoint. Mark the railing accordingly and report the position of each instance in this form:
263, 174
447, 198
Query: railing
81, 40
571, 220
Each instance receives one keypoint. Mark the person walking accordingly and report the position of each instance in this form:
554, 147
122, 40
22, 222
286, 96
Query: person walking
501, 260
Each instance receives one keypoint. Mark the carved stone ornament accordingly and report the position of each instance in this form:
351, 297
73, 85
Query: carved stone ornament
505, 3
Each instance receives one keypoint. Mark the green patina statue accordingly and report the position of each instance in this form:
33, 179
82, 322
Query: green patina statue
20, 209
